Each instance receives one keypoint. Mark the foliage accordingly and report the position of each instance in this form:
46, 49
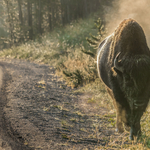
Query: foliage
95, 40
64, 48
54, 47
24, 20
75, 70
80, 73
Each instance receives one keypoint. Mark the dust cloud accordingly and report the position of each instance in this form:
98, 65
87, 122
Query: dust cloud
138, 10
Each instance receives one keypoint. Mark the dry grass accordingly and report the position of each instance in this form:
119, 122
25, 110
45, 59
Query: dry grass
77, 68
62, 49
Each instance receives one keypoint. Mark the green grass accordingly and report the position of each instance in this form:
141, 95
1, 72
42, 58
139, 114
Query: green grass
55, 44
62, 49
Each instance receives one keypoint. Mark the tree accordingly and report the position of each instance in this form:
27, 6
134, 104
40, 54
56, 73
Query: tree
28, 18
29, 7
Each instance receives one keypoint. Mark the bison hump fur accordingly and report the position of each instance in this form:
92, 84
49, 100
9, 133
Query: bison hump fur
123, 63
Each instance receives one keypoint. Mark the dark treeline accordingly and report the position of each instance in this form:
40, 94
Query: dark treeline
25, 19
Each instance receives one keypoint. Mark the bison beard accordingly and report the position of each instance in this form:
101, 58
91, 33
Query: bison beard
123, 63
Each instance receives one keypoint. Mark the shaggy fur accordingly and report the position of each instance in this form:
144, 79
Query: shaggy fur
128, 83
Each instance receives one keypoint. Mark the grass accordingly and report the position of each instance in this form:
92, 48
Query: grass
62, 50
91, 100
55, 44
99, 94
65, 124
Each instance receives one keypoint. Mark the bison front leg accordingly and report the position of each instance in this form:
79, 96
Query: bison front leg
135, 131
119, 123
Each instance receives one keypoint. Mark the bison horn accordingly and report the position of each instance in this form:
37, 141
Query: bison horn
116, 63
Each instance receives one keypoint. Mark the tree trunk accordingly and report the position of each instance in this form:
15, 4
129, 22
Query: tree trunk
50, 19
68, 12
21, 19
20, 12
53, 17
85, 8
40, 17
62, 13
10, 23
29, 7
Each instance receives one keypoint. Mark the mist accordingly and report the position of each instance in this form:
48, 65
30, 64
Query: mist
137, 9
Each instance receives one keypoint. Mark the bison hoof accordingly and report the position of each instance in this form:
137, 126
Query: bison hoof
120, 130
135, 138
131, 137
117, 130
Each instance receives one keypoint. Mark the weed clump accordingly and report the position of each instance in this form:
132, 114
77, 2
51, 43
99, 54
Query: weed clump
80, 66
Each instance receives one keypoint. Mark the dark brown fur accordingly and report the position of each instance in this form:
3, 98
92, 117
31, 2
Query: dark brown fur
123, 63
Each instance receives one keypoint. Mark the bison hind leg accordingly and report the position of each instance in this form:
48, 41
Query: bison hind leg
119, 123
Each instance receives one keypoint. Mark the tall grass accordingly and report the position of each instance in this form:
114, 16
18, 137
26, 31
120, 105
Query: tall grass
62, 49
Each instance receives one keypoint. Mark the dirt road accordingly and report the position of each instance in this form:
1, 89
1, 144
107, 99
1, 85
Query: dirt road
40, 112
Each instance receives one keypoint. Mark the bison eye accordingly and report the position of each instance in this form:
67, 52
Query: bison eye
118, 72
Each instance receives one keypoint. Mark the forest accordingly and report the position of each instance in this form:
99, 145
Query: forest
23, 20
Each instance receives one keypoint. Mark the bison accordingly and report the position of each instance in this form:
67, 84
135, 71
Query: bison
123, 63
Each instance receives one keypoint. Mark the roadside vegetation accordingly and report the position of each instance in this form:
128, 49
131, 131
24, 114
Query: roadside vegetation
71, 50
66, 49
